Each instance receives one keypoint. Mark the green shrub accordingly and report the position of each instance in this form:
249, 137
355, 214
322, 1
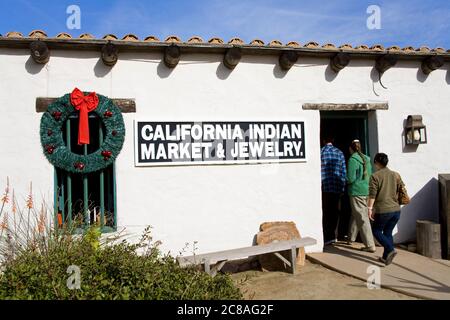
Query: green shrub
35, 257
108, 271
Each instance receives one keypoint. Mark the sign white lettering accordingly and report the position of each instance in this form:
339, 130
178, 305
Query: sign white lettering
182, 143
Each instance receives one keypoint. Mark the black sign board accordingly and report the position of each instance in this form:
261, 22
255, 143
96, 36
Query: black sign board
192, 143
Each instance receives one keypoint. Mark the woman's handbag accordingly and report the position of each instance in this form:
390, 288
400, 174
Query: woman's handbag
402, 194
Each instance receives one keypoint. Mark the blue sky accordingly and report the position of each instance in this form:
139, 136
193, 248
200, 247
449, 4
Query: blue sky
403, 22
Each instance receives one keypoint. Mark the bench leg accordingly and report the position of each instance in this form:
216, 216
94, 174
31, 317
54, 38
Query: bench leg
279, 256
217, 268
207, 267
293, 259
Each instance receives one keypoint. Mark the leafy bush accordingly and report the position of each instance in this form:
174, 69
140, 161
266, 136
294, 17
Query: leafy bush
34, 265
113, 271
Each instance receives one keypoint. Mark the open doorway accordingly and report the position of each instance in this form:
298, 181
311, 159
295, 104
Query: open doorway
345, 126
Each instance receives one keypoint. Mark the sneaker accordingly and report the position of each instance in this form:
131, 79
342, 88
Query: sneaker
369, 249
329, 242
382, 260
390, 257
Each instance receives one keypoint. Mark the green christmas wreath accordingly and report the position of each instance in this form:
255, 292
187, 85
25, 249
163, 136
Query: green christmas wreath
51, 132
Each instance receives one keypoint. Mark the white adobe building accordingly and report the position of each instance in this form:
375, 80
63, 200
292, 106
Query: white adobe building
221, 205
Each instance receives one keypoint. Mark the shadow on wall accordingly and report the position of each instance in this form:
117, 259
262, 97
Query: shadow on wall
278, 72
101, 70
375, 76
330, 75
223, 72
421, 77
424, 205
163, 71
33, 67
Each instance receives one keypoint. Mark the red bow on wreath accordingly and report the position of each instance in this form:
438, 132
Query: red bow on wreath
84, 104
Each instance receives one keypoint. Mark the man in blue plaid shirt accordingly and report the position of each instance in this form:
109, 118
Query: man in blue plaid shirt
334, 174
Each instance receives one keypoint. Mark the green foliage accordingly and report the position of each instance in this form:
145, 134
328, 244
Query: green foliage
118, 270
92, 236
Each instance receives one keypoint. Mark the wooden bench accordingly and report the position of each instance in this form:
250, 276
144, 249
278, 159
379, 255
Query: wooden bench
214, 261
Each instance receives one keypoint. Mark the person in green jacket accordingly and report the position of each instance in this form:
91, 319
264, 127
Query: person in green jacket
358, 175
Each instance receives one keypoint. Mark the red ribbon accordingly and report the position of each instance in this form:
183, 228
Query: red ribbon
84, 104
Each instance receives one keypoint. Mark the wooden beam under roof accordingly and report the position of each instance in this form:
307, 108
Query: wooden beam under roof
125, 105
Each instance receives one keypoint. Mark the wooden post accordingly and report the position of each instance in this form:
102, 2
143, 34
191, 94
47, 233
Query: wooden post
444, 213
288, 59
339, 61
110, 54
432, 63
385, 62
428, 239
172, 55
232, 57
293, 259
39, 52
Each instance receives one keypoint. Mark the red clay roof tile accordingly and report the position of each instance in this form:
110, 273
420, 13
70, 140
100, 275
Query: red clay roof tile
151, 39
394, 48
329, 46
14, 34
130, 37
293, 44
63, 35
346, 46
311, 44
86, 36
233, 41
362, 47
195, 39
236, 41
37, 34
110, 37
423, 49
215, 40
377, 47
173, 39
275, 43
256, 42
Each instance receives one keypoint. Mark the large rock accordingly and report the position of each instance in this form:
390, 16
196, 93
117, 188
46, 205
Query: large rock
278, 231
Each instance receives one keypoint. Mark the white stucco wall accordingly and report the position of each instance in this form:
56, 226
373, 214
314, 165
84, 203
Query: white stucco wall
222, 206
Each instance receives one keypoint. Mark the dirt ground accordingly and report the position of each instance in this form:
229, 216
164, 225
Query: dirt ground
311, 282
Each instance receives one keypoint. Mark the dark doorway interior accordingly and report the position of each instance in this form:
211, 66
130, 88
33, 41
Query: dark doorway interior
345, 126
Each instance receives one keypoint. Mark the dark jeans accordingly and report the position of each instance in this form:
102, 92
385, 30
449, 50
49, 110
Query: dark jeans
330, 215
382, 230
344, 218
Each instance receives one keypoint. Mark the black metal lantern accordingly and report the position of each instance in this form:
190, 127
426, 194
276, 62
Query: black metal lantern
415, 130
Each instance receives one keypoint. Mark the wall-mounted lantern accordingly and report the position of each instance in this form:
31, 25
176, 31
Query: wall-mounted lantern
415, 130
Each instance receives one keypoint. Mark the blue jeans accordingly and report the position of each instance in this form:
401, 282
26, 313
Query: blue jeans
382, 230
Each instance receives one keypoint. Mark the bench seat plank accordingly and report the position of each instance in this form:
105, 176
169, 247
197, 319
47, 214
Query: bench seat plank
245, 252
